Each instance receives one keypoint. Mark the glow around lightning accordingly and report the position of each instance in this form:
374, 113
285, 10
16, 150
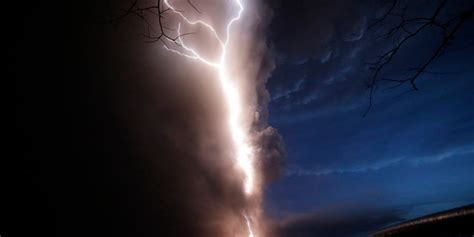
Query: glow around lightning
244, 153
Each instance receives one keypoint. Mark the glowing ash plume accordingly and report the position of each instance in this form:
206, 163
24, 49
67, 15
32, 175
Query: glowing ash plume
244, 153
244, 150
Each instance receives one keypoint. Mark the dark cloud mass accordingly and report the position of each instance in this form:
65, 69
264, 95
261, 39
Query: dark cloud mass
402, 155
327, 224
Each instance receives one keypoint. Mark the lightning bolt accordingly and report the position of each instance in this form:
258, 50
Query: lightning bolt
244, 153
249, 225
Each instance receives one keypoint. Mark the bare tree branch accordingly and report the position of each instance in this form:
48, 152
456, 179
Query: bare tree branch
405, 31
156, 30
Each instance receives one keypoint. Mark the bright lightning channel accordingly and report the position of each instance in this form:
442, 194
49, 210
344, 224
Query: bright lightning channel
249, 226
244, 152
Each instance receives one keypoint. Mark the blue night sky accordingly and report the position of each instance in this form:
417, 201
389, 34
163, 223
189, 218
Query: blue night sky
413, 154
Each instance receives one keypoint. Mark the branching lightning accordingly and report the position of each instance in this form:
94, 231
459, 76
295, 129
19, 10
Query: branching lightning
244, 153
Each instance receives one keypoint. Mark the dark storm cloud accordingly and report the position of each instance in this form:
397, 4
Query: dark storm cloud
357, 222
404, 152
396, 138
334, 71
307, 29
315, 67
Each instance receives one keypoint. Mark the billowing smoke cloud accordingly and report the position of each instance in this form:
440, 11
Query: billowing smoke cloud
175, 113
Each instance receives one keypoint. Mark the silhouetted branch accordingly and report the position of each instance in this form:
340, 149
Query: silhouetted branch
407, 29
156, 30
